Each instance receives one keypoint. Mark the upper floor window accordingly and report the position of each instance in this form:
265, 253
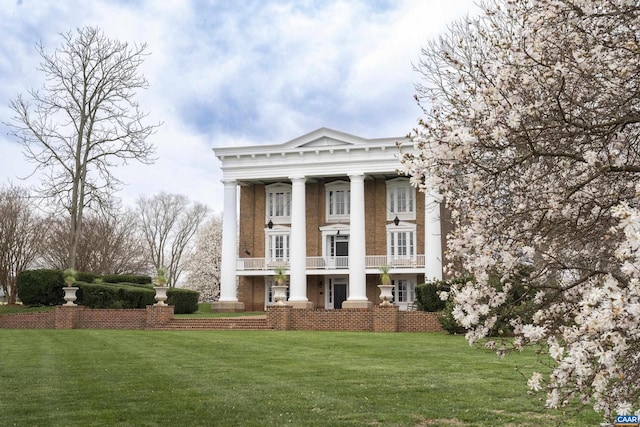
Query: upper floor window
278, 203
338, 201
401, 200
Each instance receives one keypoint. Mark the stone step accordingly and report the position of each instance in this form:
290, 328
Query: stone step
219, 324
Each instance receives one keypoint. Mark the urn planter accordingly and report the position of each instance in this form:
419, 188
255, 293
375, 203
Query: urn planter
161, 295
70, 295
386, 295
279, 294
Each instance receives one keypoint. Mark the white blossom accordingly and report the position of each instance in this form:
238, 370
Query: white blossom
531, 138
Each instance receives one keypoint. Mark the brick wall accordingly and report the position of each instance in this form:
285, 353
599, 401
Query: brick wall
376, 319
418, 321
44, 320
78, 317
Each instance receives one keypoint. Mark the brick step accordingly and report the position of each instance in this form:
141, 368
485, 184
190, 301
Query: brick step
230, 323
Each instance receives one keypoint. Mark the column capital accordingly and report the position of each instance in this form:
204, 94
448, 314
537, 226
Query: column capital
228, 182
355, 174
298, 178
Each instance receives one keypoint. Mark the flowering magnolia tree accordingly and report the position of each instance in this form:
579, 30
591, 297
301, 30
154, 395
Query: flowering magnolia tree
532, 138
203, 264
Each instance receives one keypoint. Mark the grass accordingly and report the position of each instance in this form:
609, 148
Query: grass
14, 309
204, 311
247, 378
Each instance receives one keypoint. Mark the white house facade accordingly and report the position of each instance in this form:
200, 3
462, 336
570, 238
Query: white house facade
331, 209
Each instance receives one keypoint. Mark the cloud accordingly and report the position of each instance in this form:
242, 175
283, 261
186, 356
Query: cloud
238, 73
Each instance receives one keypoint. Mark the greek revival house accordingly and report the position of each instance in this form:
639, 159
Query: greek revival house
331, 209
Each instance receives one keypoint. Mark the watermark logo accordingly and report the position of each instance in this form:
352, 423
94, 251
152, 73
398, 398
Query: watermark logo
627, 420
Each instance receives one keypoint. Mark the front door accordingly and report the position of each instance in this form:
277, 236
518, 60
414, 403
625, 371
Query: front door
339, 294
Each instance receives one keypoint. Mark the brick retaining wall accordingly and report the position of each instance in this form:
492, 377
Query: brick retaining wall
376, 319
43, 320
78, 317
286, 318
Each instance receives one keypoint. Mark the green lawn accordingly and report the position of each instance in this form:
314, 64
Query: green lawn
14, 309
204, 310
247, 378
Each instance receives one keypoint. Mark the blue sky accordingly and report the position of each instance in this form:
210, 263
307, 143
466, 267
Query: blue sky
236, 72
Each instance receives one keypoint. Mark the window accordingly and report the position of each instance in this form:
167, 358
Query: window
401, 200
404, 290
278, 203
338, 200
278, 246
402, 244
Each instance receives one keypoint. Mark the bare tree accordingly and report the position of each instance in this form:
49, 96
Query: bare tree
21, 231
168, 223
203, 264
84, 122
110, 243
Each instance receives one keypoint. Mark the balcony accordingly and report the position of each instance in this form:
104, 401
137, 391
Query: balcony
331, 263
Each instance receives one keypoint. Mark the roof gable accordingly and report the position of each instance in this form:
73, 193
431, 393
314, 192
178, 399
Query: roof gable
324, 137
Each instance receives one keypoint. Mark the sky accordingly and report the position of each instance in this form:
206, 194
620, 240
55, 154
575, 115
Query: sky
234, 73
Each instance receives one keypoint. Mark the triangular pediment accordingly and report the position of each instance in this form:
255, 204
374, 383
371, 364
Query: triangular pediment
325, 142
324, 137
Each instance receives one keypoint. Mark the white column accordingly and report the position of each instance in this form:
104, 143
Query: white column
357, 245
228, 291
298, 245
432, 238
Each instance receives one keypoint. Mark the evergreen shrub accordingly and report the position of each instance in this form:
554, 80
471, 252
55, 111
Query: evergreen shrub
127, 278
184, 301
40, 287
86, 277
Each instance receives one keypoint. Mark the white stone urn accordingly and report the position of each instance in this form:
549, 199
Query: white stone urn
70, 295
279, 294
161, 295
386, 295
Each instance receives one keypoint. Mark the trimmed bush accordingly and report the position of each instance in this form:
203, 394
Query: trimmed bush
83, 276
127, 278
96, 296
427, 297
41, 287
93, 295
184, 301
135, 296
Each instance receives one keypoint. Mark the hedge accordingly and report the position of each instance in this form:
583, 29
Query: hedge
184, 300
44, 287
40, 287
83, 276
125, 295
96, 296
127, 278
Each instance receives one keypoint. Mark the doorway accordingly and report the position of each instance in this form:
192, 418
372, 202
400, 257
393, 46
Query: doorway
340, 250
337, 292
339, 295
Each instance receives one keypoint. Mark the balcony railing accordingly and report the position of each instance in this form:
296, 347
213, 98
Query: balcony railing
330, 263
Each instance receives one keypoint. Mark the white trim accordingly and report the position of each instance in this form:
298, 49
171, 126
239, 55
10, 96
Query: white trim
329, 281
402, 227
330, 190
393, 187
269, 233
410, 293
269, 215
